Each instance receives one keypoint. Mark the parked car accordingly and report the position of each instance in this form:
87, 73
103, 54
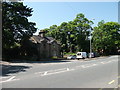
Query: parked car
96, 54
81, 55
91, 55
71, 57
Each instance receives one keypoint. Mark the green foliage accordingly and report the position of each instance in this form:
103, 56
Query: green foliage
106, 38
15, 26
15, 23
73, 35
70, 53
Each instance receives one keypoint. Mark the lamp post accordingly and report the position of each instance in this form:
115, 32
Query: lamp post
90, 41
69, 43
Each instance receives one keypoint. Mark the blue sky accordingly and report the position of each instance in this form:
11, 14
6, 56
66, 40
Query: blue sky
46, 14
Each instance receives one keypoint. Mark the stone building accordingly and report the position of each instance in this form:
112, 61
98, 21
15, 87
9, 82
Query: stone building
46, 47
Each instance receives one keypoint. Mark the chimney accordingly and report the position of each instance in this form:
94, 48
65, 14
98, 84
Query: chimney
42, 33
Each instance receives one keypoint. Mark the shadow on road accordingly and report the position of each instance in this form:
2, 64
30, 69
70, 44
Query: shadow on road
49, 61
11, 69
40, 61
8, 69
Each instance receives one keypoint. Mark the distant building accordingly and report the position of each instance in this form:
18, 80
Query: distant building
44, 47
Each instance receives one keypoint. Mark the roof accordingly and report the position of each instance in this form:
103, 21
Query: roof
38, 39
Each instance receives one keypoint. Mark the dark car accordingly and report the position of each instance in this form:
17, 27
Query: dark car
96, 54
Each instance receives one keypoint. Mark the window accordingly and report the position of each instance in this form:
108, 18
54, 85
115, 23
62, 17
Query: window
79, 54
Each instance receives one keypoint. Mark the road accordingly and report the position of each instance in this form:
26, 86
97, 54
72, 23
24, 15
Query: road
99, 72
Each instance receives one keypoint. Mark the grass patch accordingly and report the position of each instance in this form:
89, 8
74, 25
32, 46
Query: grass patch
69, 53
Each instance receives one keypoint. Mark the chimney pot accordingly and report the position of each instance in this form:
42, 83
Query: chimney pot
42, 33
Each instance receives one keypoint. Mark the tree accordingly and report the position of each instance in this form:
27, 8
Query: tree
82, 27
15, 25
73, 35
106, 38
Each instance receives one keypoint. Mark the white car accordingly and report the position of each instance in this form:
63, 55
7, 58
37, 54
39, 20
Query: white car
91, 55
81, 55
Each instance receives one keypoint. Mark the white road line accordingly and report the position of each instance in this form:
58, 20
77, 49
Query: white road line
10, 79
54, 73
68, 69
82, 66
71, 69
39, 73
102, 62
45, 73
56, 70
111, 82
87, 66
95, 64
65, 69
105, 62
3, 77
50, 71
109, 61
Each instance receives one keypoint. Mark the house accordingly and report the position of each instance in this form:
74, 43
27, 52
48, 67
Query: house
44, 47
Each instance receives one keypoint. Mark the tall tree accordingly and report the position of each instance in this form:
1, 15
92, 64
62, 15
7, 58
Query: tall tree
15, 25
82, 27
73, 35
106, 38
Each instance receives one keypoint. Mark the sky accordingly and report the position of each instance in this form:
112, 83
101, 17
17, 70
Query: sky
46, 14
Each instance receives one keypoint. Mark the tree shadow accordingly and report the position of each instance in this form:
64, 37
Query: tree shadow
40, 61
11, 69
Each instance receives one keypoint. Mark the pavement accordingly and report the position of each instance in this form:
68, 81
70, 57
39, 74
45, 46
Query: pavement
99, 72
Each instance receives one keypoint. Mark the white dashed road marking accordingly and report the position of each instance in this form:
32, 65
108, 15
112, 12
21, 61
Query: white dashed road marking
45, 73
68, 69
49, 72
10, 79
103, 62
111, 82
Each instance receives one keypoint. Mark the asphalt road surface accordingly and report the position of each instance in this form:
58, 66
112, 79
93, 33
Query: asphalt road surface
99, 72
